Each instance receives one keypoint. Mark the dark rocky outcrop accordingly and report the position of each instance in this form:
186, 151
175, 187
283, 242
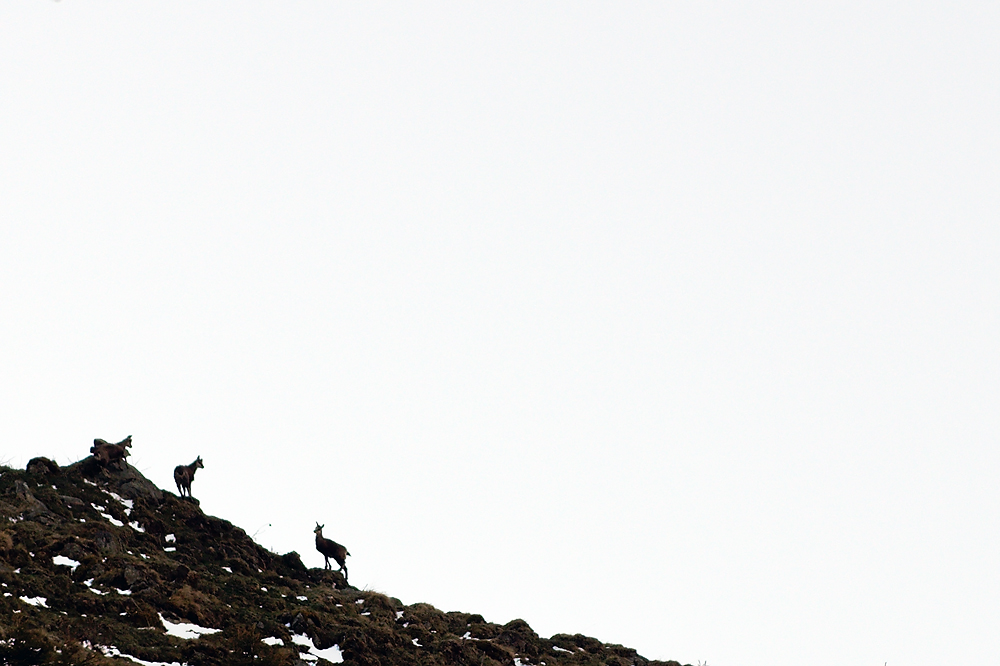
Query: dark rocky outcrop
96, 563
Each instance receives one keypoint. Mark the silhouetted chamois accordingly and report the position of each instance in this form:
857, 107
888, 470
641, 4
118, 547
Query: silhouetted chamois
108, 453
184, 475
331, 549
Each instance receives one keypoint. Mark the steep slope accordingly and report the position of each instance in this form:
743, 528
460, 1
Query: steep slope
99, 566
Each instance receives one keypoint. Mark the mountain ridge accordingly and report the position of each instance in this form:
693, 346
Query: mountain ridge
100, 566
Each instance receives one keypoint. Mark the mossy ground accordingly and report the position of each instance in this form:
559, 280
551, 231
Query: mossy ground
210, 573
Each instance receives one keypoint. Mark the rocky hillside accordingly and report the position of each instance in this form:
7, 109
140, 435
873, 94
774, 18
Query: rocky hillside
99, 566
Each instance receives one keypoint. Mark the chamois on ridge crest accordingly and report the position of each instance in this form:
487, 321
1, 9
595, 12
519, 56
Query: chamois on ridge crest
184, 475
108, 453
330, 548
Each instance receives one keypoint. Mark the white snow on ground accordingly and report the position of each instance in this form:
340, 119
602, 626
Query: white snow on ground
112, 651
65, 562
127, 503
170, 538
302, 598
186, 630
416, 643
135, 525
399, 614
35, 601
271, 640
228, 569
107, 516
559, 649
89, 583
331, 654
169, 549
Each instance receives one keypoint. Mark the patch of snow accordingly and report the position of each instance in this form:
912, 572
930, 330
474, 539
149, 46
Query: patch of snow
65, 562
89, 582
331, 654
185, 630
360, 601
367, 613
559, 649
399, 614
89, 482
227, 569
263, 589
35, 601
419, 645
169, 549
135, 525
170, 538
127, 503
125, 592
112, 651
111, 519
271, 640
302, 598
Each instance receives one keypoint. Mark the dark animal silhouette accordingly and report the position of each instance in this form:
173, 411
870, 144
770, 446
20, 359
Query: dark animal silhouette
108, 453
184, 475
330, 549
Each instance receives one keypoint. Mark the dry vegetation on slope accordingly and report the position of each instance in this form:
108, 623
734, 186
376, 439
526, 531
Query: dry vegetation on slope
96, 563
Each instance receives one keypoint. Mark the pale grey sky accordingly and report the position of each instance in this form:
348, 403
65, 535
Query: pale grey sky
674, 324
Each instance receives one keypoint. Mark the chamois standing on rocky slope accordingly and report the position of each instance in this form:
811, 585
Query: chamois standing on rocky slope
108, 453
330, 549
184, 475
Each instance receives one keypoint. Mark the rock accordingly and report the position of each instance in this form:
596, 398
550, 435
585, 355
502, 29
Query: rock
31, 507
518, 635
293, 561
42, 466
106, 542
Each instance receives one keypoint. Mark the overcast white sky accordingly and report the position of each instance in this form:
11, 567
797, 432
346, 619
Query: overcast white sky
673, 324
